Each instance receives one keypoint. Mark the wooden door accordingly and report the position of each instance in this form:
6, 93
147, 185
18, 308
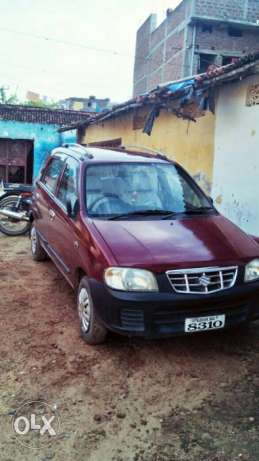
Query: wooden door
15, 157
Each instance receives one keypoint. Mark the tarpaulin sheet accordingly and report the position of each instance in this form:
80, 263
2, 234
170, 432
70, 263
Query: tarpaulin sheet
173, 87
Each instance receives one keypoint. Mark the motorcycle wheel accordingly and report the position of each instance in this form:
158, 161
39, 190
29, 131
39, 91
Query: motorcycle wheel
10, 226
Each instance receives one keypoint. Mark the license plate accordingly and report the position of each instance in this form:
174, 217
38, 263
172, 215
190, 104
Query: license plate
196, 324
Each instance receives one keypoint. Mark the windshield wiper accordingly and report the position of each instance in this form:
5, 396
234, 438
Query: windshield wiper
190, 212
200, 210
143, 213
157, 212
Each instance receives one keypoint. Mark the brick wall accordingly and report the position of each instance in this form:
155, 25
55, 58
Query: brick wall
253, 10
156, 46
177, 16
158, 35
158, 49
228, 9
143, 46
173, 69
154, 79
174, 44
165, 63
141, 86
156, 59
220, 39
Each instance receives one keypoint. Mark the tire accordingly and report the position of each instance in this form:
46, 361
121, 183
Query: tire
37, 251
8, 226
92, 331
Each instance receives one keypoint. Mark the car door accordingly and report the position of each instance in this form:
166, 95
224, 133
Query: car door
44, 195
64, 225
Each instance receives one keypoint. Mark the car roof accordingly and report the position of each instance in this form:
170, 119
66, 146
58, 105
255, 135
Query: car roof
106, 154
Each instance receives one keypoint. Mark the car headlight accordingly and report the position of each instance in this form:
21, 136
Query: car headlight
252, 271
128, 279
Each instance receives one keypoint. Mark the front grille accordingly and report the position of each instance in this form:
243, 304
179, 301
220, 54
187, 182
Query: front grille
203, 280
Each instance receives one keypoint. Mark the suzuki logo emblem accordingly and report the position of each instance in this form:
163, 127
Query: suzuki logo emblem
204, 280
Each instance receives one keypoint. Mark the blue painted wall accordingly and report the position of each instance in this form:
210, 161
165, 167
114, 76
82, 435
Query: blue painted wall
45, 137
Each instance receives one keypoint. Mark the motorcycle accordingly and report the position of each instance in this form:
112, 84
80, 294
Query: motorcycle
15, 203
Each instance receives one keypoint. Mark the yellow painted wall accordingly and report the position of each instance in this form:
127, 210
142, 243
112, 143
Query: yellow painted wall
191, 144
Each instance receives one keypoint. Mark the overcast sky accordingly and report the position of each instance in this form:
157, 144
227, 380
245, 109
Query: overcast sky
103, 63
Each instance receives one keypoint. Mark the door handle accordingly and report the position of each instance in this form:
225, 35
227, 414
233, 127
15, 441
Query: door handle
51, 215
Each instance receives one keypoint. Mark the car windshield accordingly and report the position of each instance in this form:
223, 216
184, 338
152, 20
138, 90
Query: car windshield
128, 189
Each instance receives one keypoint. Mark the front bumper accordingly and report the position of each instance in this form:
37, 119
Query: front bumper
163, 314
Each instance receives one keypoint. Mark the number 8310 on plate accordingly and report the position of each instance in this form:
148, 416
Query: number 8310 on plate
197, 324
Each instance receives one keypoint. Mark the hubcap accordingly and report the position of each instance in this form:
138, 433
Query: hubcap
84, 309
33, 240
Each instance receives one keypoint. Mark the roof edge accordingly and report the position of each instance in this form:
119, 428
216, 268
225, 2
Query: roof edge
176, 89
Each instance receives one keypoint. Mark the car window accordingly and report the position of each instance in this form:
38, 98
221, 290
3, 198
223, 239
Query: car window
68, 185
52, 173
113, 189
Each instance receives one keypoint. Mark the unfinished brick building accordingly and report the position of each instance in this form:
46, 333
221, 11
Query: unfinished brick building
193, 36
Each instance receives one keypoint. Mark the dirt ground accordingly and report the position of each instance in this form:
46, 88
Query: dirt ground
190, 398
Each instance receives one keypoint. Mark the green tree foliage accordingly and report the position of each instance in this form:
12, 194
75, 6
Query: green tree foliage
5, 98
11, 98
40, 103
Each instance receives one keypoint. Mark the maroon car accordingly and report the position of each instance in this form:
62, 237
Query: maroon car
144, 247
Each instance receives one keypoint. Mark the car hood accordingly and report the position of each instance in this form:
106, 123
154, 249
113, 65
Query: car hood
159, 245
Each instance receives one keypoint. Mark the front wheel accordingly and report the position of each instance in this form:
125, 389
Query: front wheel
92, 331
11, 226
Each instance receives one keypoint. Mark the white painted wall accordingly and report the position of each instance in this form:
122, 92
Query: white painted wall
236, 163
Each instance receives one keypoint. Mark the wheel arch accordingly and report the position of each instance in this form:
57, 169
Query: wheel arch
79, 274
